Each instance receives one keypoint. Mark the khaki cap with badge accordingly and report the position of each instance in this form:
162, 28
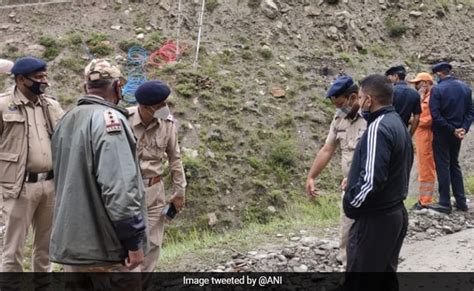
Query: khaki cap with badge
99, 69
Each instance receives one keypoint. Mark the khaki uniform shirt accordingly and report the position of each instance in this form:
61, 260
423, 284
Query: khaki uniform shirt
158, 144
25, 145
346, 133
39, 158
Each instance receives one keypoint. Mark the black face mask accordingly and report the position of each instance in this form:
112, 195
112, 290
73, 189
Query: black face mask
37, 88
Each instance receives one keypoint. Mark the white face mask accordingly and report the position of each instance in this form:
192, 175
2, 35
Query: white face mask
162, 113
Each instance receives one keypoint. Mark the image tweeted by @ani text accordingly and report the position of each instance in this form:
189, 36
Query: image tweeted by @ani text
242, 280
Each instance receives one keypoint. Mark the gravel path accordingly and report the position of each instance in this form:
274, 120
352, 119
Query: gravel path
450, 253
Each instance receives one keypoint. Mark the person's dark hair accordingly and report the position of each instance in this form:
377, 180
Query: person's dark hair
352, 89
379, 87
99, 84
401, 75
445, 71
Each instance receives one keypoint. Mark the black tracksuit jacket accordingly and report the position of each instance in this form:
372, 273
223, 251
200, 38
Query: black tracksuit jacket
380, 170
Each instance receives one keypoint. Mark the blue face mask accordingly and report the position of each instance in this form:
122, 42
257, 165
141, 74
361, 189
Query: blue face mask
437, 79
162, 113
365, 112
345, 110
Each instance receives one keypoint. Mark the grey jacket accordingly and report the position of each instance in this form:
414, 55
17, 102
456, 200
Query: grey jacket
100, 211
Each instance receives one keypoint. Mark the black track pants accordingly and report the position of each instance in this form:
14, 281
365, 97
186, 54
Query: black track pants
374, 246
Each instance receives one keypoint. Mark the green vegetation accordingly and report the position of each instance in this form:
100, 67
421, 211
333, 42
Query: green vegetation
444, 4
211, 5
76, 65
470, 185
247, 55
195, 168
227, 57
414, 63
66, 100
10, 51
379, 51
254, 3
229, 86
52, 47
126, 44
363, 51
266, 52
186, 89
394, 27
346, 57
283, 152
154, 41
99, 45
73, 39
140, 20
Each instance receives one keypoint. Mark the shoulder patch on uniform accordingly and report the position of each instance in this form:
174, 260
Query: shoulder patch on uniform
12, 107
170, 118
112, 123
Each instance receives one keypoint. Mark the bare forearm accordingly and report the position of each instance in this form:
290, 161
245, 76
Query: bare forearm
321, 160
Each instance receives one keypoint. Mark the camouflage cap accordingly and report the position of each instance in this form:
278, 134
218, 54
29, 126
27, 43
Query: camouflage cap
99, 69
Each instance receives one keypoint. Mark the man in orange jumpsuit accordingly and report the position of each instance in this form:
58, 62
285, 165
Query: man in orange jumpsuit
423, 140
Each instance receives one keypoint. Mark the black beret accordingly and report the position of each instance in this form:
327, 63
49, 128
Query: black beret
441, 66
395, 70
152, 92
340, 86
28, 65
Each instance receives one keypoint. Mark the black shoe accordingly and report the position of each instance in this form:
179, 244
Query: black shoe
417, 206
461, 207
440, 208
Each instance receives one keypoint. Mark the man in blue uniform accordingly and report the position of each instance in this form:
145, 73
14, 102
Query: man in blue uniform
452, 112
406, 100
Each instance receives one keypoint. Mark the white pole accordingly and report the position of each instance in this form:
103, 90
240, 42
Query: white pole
178, 52
199, 34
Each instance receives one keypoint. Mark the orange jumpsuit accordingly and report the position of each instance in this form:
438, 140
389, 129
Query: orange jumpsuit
424, 152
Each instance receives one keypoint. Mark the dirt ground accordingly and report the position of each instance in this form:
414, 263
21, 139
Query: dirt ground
451, 253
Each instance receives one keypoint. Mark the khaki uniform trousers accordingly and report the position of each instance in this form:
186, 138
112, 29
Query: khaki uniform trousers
155, 198
33, 207
345, 224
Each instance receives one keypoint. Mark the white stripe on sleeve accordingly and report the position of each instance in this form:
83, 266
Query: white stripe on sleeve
369, 165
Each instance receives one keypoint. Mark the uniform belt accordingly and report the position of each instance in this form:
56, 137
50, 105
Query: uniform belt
148, 182
38, 177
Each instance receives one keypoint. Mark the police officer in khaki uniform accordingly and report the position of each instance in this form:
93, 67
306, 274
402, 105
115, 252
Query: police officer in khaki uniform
27, 120
157, 143
5, 68
346, 129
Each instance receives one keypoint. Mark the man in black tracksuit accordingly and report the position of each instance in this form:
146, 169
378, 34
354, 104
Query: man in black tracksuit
378, 183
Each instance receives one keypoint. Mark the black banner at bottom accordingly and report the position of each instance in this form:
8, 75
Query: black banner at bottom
237, 281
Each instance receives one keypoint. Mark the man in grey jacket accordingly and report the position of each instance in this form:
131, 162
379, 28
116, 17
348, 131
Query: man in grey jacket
100, 213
